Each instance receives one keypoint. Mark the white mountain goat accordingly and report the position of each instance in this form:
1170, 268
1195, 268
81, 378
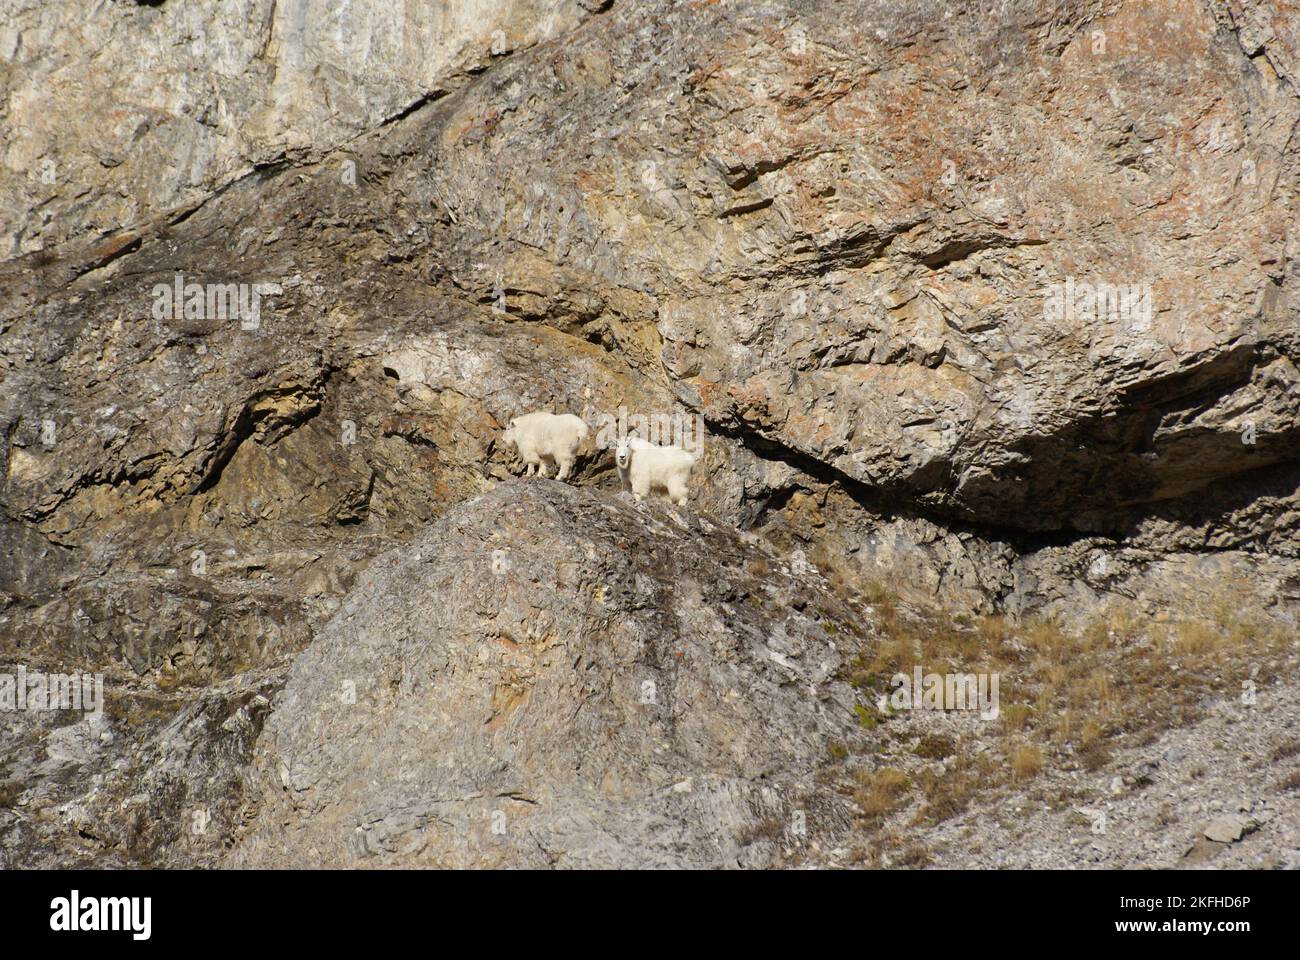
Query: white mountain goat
643, 466
543, 437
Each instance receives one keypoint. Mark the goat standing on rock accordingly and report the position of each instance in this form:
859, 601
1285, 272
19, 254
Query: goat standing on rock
643, 467
542, 437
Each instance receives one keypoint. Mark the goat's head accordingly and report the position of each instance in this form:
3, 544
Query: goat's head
623, 453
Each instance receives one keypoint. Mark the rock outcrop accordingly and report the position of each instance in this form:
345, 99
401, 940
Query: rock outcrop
137, 109
552, 677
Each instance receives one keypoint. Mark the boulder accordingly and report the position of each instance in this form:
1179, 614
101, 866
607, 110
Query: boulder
553, 677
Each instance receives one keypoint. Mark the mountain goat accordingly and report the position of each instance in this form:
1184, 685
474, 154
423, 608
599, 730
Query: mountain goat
541, 437
643, 467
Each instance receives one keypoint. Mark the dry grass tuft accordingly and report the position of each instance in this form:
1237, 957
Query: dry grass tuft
935, 748
1285, 751
1026, 761
1289, 783
881, 792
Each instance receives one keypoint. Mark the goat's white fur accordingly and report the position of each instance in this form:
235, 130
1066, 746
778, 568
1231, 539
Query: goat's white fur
543, 437
643, 466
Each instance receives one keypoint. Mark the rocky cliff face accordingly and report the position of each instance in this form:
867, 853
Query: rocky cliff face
144, 109
985, 303
568, 680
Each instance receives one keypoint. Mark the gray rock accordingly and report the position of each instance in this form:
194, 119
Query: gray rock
1228, 829
562, 679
